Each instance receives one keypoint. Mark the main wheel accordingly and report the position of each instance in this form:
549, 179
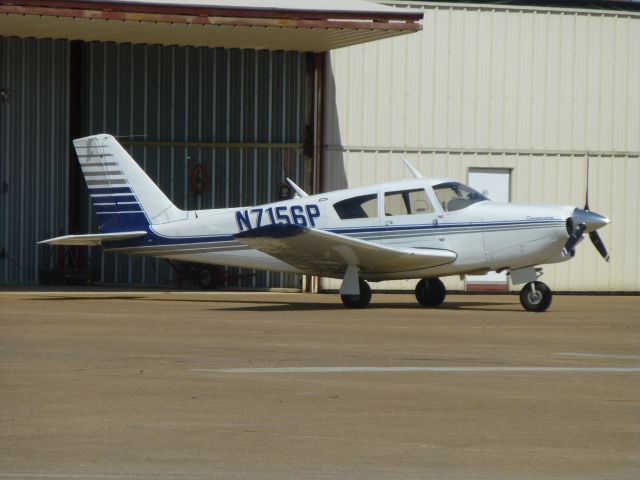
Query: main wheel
358, 301
535, 297
430, 292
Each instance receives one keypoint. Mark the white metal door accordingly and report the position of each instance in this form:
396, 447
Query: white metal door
495, 184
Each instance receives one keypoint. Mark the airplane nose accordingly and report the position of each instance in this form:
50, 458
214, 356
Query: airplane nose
585, 221
592, 221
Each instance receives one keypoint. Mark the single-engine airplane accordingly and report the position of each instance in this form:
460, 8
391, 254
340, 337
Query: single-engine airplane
416, 228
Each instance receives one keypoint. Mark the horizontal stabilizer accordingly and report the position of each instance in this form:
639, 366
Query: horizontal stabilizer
93, 238
320, 251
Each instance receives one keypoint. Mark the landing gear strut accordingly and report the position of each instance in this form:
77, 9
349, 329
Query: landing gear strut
430, 292
535, 297
358, 301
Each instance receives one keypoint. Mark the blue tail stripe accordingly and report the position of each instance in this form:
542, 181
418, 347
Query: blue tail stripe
114, 199
111, 190
123, 220
118, 208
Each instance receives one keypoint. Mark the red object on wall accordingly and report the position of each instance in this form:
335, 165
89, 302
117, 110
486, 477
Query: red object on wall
199, 180
284, 191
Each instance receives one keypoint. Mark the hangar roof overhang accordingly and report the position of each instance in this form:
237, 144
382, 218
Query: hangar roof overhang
301, 25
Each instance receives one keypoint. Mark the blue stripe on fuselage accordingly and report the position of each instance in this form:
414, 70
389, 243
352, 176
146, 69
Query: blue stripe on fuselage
154, 239
445, 226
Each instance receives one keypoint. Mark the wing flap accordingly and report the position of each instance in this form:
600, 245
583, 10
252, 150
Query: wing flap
324, 253
92, 238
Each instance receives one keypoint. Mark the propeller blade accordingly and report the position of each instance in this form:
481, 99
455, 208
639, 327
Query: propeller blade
597, 242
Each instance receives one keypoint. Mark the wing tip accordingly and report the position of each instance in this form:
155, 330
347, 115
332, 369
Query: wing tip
92, 239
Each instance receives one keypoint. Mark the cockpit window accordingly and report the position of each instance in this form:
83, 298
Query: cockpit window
364, 206
456, 196
406, 202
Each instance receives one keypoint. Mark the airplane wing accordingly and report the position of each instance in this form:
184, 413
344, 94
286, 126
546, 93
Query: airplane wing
320, 251
93, 238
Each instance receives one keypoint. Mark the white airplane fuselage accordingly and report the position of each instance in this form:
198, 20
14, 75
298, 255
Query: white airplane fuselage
485, 235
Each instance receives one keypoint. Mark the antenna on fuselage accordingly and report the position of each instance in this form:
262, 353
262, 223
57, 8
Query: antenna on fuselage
586, 196
412, 169
297, 189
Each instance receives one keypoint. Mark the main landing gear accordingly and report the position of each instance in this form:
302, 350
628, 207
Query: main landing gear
358, 301
430, 292
535, 297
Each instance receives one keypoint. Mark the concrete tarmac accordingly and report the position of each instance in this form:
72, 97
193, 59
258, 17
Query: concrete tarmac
139, 385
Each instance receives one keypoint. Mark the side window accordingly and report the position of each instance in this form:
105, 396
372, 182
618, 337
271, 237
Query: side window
456, 196
407, 202
364, 206
394, 204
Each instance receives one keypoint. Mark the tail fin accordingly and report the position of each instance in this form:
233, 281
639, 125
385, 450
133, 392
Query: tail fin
123, 196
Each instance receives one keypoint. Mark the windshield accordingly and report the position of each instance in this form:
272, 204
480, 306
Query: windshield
456, 196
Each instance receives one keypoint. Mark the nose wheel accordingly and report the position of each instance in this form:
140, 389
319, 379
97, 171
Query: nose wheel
535, 297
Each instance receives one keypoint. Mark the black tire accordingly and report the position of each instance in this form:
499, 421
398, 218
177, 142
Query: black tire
537, 300
430, 292
358, 301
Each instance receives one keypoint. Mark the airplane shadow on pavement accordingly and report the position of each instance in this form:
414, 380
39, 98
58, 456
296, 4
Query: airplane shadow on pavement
301, 307
251, 305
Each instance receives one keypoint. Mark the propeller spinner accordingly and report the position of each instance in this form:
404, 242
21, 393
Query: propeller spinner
585, 221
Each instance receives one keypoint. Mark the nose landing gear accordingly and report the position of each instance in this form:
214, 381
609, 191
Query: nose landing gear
535, 297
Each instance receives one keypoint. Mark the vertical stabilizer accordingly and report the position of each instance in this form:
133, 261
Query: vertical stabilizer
123, 196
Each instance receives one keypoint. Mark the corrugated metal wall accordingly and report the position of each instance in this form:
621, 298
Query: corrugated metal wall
240, 113
34, 155
531, 89
185, 97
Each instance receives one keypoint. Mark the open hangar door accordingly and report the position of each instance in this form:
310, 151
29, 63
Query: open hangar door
214, 128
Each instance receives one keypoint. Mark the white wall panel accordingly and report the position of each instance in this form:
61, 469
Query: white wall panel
525, 88
496, 78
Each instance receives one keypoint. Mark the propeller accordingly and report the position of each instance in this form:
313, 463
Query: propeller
584, 220
597, 242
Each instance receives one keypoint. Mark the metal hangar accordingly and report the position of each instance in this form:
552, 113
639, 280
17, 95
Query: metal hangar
219, 101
